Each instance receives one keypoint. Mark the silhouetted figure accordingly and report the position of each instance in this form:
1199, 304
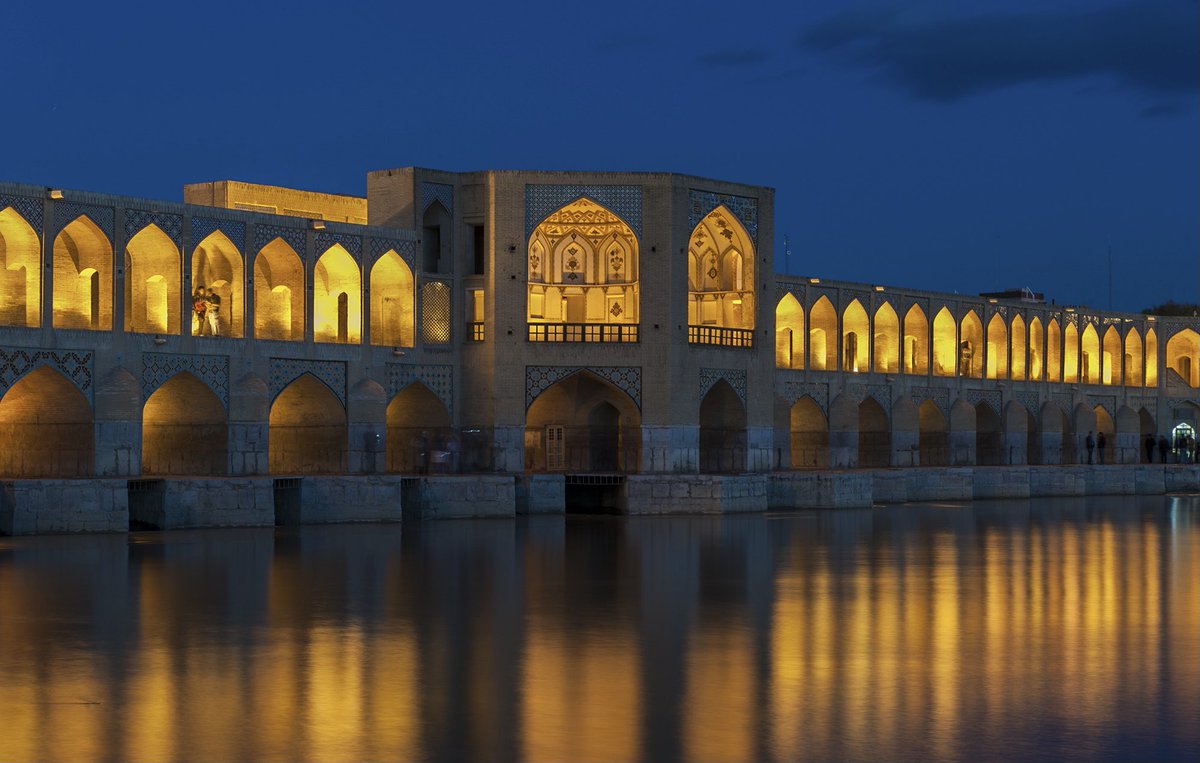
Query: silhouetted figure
1090, 443
1163, 447
1101, 441
1149, 448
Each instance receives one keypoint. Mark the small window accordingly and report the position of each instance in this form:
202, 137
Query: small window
478, 249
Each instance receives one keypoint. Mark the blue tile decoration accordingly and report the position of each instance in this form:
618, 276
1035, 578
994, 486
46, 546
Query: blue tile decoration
940, 396
736, 378
745, 209
818, 391
66, 212
76, 365
293, 237
284, 371
625, 201
431, 192
203, 227
1065, 401
137, 219
883, 395
27, 207
977, 396
377, 247
538, 379
159, 367
1030, 400
352, 244
1107, 402
438, 378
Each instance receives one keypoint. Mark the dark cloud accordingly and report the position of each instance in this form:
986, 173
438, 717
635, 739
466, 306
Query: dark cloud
727, 59
1151, 46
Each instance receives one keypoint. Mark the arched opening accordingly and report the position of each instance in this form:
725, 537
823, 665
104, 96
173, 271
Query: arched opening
45, 428
988, 449
217, 265
809, 435
435, 239
789, 333
874, 435
822, 352
933, 440
1033, 440
855, 346
1070, 354
184, 430
571, 427
1148, 435
1037, 354
278, 293
1089, 356
1127, 440
1070, 449
1105, 426
886, 340
970, 346
1053, 351
721, 279
1132, 372
1014, 438
419, 436
997, 348
1112, 357
1016, 367
916, 341
722, 430
337, 298
307, 430
392, 296
152, 293
945, 344
82, 277
20, 271
1183, 350
1151, 358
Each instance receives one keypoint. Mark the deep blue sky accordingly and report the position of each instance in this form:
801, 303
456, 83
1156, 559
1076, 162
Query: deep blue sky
936, 144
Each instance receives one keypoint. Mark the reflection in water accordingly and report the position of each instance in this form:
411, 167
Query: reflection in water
997, 631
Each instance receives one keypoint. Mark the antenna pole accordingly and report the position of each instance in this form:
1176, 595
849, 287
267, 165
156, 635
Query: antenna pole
1110, 307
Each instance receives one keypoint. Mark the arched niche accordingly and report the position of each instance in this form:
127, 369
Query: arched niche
184, 430
419, 434
945, 344
809, 435
571, 427
885, 340
278, 293
789, 333
915, 348
20, 271
308, 433
153, 301
856, 338
822, 336
337, 298
46, 428
721, 272
392, 293
722, 430
217, 264
83, 272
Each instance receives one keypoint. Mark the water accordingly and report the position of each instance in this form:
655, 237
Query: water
1043, 630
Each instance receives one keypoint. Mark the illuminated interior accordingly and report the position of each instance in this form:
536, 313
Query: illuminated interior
307, 430
45, 428
809, 434
945, 344
82, 277
1053, 351
1182, 353
20, 271
916, 341
1016, 368
721, 274
392, 301
722, 430
997, 348
1112, 357
1037, 349
152, 296
337, 298
435, 312
1070, 353
217, 265
184, 430
856, 343
417, 425
1151, 358
885, 345
583, 423
822, 336
970, 346
1133, 359
789, 333
278, 293
1089, 356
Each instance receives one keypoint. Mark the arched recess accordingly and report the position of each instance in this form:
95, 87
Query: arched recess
392, 293
308, 432
721, 272
933, 437
809, 435
278, 293
571, 427
1127, 442
1112, 357
1105, 424
436, 238
184, 430
20, 271
217, 264
1151, 358
987, 435
419, 436
1132, 362
1147, 429
874, 435
915, 347
337, 298
856, 342
1033, 439
1071, 447
83, 259
945, 344
1070, 354
1037, 349
153, 300
45, 428
1054, 364
997, 348
1014, 440
1083, 420
583, 268
822, 336
1050, 426
1089, 356
789, 333
1183, 354
970, 346
885, 345
1016, 366
722, 430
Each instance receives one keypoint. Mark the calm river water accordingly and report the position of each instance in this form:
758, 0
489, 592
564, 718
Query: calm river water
1036, 630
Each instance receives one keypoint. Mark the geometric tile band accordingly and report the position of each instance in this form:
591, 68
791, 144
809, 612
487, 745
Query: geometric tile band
159, 367
234, 230
293, 237
352, 244
137, 219
377, 247
624, 201
76, 365
332, 373
744, 209
66, 212
628, 379
438, 378
733, 377
26, 207
431, 192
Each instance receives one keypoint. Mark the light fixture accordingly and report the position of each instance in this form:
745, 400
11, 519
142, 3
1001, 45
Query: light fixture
399, 353
159, 341
878, 288
992, 300
316, 224
54, 193
737, 301
814, 280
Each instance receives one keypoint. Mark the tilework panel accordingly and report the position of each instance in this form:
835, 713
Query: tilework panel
818, 391
284, 371
431, 192
172, 225
538, 379
1064, 400
352, 244
27, 207
976, 396
882, 394
624, 201
203, 227
939, 395
76, 365
1109, 402
700, 203
438, 378
65, 212
294, 237
735, 379
377, 247
1031, 401
159, 367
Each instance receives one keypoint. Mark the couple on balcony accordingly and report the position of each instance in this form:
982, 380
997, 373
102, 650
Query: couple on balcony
206, 311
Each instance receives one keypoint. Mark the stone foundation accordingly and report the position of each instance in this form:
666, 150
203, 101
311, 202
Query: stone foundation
693, 493
37, 507
466, 496
172, 504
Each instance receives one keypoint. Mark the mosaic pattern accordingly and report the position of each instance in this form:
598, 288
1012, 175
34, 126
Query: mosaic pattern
538, 379
284, 371
1107, 402
352, 244
939, 395
293, 237
977, 396
735, 379
160, 367
438, 378
377, 247
76, 365
1030, 400
203, 227
817, 391
431, 192
882, 394
65, 213
26, 207
1064, 400
700, 203
782, 290
137, 219
625, 201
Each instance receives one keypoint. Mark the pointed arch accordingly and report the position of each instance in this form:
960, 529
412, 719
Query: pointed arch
915, 347
1183, 356
20, 271
721, 273
217, 264
307, 430
970, 346
997, 348
822, 336
987, 435
933, 438
1016, 365
809, 433
83, 260
874, 435
1037, 349
567, 427
337, 298
419, 434
1151, 358
1054, 354
1070, 353
1089, 356
945, 344
278, 292
885, 340
856, 343
722, 430
46, 428
1131, 361
391, 307
436, 238
789, 333
1112, 357
153, 300
184, 430
1106, 425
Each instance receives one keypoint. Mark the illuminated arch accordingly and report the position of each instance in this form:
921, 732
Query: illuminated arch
885, 344
722, 430
720, 272
1037, 349
822, 336
419, 436
82, 277
1183, 356
278, 293
970, 346
307, 430
20, 271
1089, 356
1054, 364
856, 332
1112, 357
945, 344
337, 298
45, 428
789, 333
217, 264
1151, 358
1070, 353
916, 341
1016, 365
152, 292
1132, 361
997, 348
392, 301
809, 434
583, 423
184, 429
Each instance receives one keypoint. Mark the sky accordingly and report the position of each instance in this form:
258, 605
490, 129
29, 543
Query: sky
936, 144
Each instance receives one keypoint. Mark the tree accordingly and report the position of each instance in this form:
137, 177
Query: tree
1170, 307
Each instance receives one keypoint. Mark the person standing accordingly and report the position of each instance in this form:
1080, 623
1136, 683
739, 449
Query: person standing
1163, 447
1101, 442
198, 307
1089, 442
212, 310
1149, 448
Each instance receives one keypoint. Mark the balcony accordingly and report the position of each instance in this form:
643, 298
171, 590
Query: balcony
724, 337
583, 332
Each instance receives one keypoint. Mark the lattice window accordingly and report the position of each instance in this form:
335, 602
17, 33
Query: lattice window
435, 313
